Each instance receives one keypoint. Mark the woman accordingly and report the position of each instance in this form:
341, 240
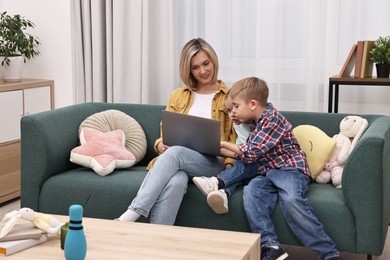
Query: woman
163, 188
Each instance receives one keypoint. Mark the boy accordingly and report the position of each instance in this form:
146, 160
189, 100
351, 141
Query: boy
282, 173
217, 190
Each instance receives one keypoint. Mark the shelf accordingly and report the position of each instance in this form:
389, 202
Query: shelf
335, 82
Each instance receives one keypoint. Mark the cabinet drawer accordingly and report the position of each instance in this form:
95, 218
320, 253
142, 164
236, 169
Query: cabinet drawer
9, 171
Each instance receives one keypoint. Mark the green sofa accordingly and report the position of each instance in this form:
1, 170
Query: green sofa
356, 216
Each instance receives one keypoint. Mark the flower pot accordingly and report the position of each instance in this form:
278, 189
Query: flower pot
13, 72
382, 70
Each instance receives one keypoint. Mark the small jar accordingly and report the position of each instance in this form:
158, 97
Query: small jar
64, 231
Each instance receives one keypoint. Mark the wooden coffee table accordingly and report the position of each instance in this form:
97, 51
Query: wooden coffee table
108, 239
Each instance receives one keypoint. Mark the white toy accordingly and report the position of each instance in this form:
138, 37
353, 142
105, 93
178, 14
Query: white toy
334, 167
44, 222
351, 129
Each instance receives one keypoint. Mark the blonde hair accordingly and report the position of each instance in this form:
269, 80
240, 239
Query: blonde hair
190, 50
250, 88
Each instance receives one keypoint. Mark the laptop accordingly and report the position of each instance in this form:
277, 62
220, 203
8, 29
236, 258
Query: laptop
197, 133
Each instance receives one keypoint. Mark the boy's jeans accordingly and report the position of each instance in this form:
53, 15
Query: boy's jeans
238, 174
289, 186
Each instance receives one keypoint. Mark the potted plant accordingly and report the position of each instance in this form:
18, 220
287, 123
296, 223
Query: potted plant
380, 55
16, 45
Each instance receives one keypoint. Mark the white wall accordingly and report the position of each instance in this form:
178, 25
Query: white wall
53, 27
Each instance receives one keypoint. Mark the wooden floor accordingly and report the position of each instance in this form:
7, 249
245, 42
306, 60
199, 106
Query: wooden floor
295, 253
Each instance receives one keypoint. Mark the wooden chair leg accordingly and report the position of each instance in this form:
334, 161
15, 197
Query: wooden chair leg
369, 257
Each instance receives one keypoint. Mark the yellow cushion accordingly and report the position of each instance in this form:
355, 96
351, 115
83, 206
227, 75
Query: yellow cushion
317, 145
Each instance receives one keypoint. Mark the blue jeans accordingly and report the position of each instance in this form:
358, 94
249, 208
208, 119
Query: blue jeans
239, 174
289, 186
164, 186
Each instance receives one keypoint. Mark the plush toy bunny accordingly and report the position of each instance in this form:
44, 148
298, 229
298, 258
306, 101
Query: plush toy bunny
45, 222
351, 129
334, 167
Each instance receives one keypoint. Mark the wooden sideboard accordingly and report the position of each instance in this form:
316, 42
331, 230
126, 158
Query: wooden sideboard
18, 99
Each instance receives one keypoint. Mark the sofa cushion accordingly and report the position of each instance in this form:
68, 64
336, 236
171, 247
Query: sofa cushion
103, 152
112, 119
317, 145
102, 197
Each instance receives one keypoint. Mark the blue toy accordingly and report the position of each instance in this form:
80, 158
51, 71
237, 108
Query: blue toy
75, 242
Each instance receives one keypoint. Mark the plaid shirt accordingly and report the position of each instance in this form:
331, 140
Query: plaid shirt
272, 145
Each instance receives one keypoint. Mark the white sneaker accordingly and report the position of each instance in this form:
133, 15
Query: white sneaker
218, 201
206, 185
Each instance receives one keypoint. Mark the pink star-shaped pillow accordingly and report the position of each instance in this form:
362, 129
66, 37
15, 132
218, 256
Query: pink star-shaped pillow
103, 152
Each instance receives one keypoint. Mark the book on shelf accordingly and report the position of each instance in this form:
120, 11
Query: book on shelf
367, 65
359, 58
11, 247
349, 63
21, 231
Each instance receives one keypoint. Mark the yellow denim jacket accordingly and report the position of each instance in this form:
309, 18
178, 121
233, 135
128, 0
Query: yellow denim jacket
181, 101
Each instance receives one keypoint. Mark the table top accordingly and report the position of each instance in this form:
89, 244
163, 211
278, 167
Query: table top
24, 84
108, 239
353, 80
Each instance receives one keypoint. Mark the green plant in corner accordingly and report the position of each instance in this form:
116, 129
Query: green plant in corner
380, 53
14, 39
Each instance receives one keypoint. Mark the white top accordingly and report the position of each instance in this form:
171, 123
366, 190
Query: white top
201, 105
242, 131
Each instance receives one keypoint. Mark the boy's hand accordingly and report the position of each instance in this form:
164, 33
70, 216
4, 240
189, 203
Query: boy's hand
227, 153
224, 144
229, 149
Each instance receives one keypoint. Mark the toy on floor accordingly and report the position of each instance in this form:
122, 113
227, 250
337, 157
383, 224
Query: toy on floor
44, 222
351, 129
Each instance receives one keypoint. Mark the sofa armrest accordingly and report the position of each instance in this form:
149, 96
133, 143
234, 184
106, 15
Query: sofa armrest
366, 184
46, 141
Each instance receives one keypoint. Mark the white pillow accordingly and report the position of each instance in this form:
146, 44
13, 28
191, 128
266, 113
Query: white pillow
112, 119
103, 152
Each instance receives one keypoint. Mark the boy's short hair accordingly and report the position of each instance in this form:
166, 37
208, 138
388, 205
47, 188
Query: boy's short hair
251, 88
190, 50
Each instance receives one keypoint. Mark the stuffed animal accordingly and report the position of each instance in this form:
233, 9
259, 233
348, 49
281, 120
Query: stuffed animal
351, 129
334, 167
44, 222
